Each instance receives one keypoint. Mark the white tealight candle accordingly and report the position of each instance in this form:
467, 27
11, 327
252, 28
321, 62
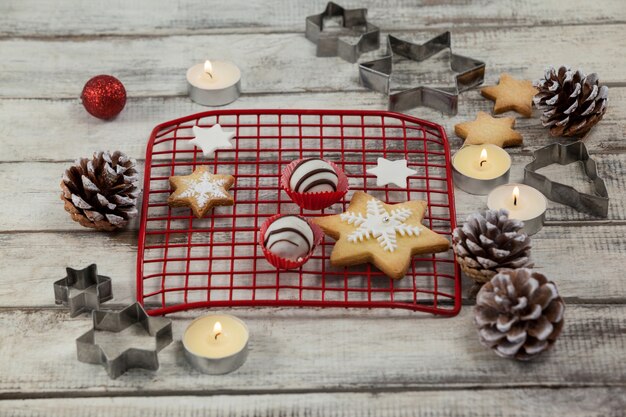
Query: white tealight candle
522, 202
477, 169
216, 344
214, 83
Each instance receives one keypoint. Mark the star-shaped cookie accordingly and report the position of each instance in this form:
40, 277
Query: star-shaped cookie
486, 129
211, 139
201, 191
511, 94
386, 235
391, 172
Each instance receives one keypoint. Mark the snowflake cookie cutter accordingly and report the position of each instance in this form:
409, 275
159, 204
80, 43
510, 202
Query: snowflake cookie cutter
93, 289
353, 23
376, 75
89, 351
596, 204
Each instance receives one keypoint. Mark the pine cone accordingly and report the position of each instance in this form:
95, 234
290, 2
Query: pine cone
490, 242
519, 313
572, 102
101, 192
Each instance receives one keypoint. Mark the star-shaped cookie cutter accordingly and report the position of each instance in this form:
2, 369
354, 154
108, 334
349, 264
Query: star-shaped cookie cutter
115, 321
353, 24
596, 204
376, 75
93, 289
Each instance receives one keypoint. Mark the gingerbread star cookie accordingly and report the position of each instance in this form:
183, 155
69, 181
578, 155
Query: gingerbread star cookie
201, 191
511, 94
486, 129
386, 235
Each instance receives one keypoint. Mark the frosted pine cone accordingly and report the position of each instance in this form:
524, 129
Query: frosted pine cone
519, 314
101, 192
572, 102
487, 243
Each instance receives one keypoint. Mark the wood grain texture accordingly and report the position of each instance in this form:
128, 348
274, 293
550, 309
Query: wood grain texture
33, 189
32, 261
304, 362
589, 402
48, 137
156, 66
291, 351
145, 17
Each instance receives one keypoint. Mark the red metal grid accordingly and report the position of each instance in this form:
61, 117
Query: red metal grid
185, 263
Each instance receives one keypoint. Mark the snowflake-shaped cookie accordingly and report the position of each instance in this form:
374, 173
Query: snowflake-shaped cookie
387, 235
380, 224
201, 191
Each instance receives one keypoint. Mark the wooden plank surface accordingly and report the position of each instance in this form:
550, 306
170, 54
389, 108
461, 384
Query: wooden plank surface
33, 261
149, 17
530, 402
309, 361
156, 66
294, 350
48, 137
37, 207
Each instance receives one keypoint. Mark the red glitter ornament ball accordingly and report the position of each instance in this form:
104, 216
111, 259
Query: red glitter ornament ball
104, 96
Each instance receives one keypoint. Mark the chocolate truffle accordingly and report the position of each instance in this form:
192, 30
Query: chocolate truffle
289, 237
313, 175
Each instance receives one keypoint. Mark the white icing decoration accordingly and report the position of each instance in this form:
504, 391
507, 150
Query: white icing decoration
211, 139
380, 224
203, 189
391, 172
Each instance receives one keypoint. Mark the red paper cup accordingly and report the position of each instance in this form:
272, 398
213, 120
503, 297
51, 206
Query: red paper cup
318, 200
284, 263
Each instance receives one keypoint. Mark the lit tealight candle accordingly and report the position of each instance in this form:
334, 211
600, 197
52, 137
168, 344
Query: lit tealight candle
477, 169
214, 83
216, 344
522, 202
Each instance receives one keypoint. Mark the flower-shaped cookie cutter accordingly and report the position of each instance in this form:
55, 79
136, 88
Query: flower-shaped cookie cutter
341, 42
376, 75
89, 351
596, 204
82, 290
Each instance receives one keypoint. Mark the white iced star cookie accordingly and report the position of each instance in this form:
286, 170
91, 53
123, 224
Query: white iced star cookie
208, 140
386, 235
201, 191
391, 172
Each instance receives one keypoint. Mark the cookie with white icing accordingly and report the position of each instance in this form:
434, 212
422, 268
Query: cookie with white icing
386, 235
201, 191
313, 175
289, 237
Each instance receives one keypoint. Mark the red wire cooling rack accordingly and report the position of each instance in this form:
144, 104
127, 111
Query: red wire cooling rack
184, 262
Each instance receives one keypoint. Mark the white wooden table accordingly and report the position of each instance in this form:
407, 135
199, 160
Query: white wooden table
302, 362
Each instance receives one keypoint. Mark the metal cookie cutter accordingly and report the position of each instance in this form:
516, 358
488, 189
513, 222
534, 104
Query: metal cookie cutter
376, 75
82, 290
353, 23
596, 204
116, 363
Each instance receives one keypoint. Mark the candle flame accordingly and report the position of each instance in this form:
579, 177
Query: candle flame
515, 195
483, 156
208, 68
217, 329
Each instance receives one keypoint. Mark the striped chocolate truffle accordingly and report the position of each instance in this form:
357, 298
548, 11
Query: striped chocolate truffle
289, 237
313, 175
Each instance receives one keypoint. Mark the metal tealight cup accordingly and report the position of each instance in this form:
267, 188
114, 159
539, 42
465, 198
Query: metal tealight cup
217, 365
